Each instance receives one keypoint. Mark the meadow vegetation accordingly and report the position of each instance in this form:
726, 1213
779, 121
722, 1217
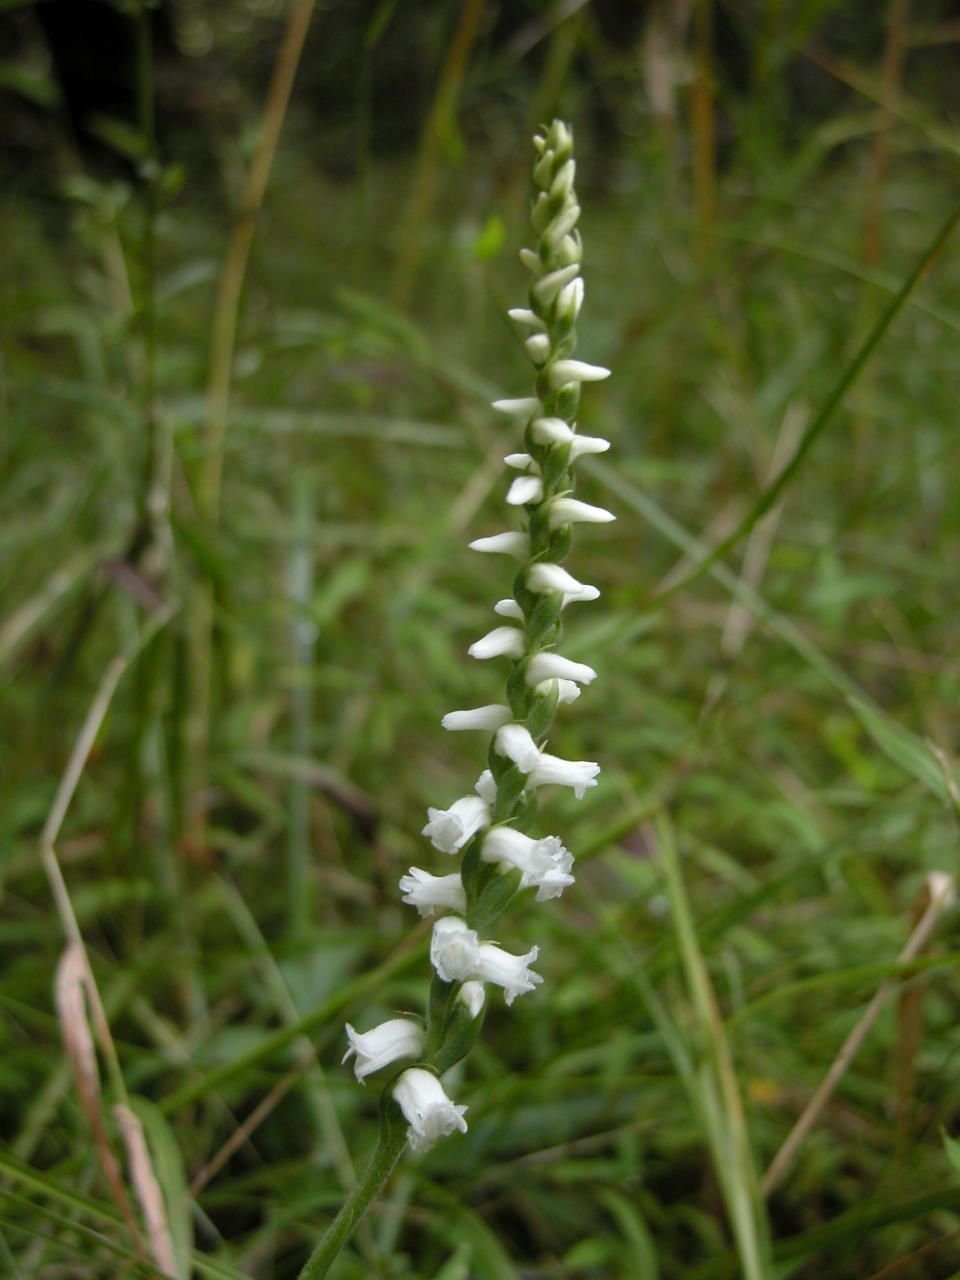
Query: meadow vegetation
237, 598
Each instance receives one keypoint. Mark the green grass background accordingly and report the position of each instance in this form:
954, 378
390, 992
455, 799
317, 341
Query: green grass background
773, 723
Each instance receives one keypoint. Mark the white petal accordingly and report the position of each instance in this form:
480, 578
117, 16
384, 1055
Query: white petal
544, 576
522, 408
567, 690
426, 892
529, 318
486, 788
508, 544
472, 996
508, 971
551, 666
569, 510
531, 260
514, 742
547, 287
564, 371
525, 489
538, 348
570, 299
428, 1111
498, 642
449, 829
578, 774
396, 1038
508, 609
454, 949
552, 431
490, 718
519, 461
587, 444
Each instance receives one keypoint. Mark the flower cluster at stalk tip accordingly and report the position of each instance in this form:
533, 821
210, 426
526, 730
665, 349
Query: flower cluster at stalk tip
488, 829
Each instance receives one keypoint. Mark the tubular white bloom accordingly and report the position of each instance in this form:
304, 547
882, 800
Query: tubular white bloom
496, 643
567, 690
552, 431
508, 609
531, 260
568, 250
509, 544
578, 774
529, 318
490, 718
564, 371
570, 299
458, 955
580, 445
544, 576
551, 666
564, 179
522, 408
397, 1038
525, 489
427, 1110
544, 863
472, 996
426, 892
449, 829
547, 287
538, 348
569, 510
519, 461
561, 225
514, 742
486, 788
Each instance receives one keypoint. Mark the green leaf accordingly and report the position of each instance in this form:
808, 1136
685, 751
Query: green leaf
904, 748
171, 1174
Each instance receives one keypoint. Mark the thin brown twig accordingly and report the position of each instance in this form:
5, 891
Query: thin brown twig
941, 889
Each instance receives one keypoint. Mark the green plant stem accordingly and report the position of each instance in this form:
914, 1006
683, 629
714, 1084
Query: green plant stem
388, 1150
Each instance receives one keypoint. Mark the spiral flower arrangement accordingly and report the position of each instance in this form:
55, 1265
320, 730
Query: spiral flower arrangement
488, 831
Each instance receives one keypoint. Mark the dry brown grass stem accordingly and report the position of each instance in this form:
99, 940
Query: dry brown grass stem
941, 891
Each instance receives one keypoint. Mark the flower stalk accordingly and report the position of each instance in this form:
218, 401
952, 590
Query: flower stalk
489, 830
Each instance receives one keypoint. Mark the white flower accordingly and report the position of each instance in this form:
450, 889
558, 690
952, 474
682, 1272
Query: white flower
458, 955
563, 179
538, 347
567, 690
522, 408
428, 1111
486, 788
587, 444
426, 892
472, 995
564, 371
578, 774
499, 641
547, 287
514, 742
544, 576
508, 544
544, 863
569, 510
397, 1038
529, 318
561, 225
525, 489
531, 260
519, 461
552, 431
449, 829
508, 609
490, 718
551, 666
570, 299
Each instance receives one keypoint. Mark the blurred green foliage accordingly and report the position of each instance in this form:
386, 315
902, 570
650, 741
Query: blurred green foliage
757, 179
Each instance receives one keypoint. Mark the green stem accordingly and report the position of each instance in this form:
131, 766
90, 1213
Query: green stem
389, 1148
